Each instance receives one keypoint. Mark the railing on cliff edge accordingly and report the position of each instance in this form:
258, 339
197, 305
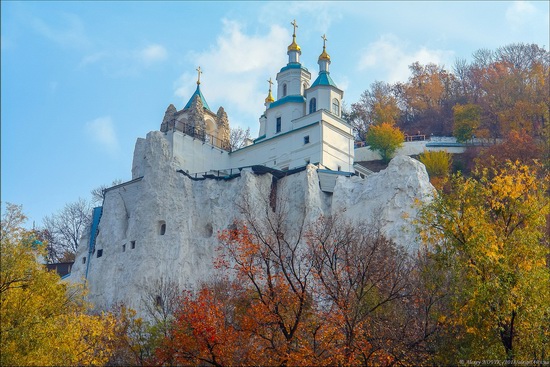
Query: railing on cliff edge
201, 135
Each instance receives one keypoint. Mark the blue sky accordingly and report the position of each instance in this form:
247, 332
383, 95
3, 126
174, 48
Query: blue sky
81, 81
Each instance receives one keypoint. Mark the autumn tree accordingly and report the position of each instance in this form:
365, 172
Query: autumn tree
135, 339
65, 229
43, 321
466, 121
289, 294
517, 146
268, 254
205, 332
427, 97
385, 139
375, 106
438, 166
364, 282
487, 235
268, 317
511, 85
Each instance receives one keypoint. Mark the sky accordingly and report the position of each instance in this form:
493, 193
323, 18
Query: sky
81, 81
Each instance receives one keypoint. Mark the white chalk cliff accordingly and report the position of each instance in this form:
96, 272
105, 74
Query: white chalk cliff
136, 248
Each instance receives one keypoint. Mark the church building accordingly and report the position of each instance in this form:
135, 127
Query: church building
302, 126
188, 186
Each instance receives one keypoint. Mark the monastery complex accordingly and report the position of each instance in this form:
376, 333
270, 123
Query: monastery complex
188, 185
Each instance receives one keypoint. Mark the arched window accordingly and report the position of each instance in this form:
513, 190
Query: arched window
162, 227
312, 105
336, 107
284, 90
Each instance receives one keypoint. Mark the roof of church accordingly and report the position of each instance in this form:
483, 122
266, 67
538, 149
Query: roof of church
293, 65
197, 93
323, 79
294, 98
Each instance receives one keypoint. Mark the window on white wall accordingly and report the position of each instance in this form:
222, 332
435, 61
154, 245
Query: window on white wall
336, 107
312, 105
284, 90
306, 139
162, 227
278, 127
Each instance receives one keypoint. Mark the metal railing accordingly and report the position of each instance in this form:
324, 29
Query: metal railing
201, 134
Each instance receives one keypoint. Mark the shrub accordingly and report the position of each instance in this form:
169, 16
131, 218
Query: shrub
437, 163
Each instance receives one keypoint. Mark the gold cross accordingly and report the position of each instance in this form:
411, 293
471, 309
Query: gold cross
324, 40
199, 72
295, 26
270, 83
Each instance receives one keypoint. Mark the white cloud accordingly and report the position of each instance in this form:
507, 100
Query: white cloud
520, 13
391, 56
236, 70
102, 131
153, 53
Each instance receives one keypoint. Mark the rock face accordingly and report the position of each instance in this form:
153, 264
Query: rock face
164, 224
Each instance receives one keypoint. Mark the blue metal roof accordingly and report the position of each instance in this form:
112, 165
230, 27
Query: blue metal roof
199, 93
323, 79
287, 99
293, 65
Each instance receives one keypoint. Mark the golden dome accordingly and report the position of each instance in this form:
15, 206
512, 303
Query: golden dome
324, 55
294, 46
269, 98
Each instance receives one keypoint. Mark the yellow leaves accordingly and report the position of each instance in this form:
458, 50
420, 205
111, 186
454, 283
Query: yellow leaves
490, 232
385, 138
43, 321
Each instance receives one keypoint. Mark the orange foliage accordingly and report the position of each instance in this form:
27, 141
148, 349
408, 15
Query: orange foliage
201, 333
336, 296
518, 146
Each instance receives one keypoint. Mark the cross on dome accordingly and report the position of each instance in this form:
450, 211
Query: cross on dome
324, 56
199, 75
294, 46
269, 97
295, 26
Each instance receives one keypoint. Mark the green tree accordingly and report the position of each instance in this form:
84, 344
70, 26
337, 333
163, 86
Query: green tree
386, 139
43, 320
466, 121
486, 237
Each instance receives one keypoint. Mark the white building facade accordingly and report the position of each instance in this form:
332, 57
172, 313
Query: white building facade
302, 126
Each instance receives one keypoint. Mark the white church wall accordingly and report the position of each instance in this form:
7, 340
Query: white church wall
270, 152
287, 113
194, 155
336, 154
